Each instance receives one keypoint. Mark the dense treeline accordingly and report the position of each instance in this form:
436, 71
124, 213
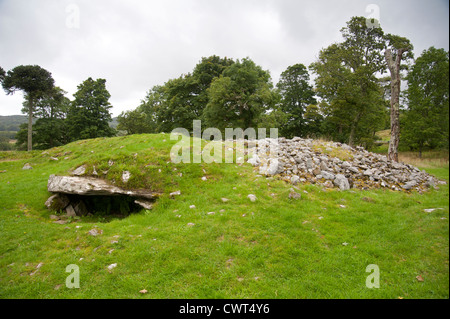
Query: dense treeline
349, 101
58, 120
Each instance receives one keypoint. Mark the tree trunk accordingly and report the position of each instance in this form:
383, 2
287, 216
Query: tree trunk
30, 124
351, 139
394, 68
51, 126
420, 150
352, 136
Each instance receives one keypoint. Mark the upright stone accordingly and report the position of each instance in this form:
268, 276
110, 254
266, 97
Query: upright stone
342, 182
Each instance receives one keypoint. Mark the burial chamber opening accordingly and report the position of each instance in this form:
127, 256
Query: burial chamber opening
103, 205
87, 205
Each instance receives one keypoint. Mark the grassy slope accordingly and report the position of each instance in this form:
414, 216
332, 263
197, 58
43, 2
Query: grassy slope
272, 248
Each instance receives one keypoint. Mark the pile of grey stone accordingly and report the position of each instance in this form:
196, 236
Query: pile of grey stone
333, 164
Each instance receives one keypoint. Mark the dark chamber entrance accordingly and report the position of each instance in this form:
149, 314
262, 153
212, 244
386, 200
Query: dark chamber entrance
103, 205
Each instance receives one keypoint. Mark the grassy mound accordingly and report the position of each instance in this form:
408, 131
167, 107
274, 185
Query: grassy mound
198, 246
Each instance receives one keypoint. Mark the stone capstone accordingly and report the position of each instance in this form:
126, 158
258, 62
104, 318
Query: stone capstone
89, 186
79, 196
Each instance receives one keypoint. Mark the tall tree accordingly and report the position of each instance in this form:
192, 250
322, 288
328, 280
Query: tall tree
399, 48
49, 130
296, 94
239, 96
425, 123
89, 115
134, 122
35, 82
205, 72
313, 120
347, 83
153, 107
185, 98
50, 126
182, 105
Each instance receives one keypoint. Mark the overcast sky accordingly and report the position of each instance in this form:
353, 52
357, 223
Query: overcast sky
135, 45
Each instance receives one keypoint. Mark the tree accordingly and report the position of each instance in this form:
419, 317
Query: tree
134, 122
313, 121
208, 69
239, 97
153, 107
425, 123
347, 83
35, 82
182, 105
394, 54
49, 130
50, 127
2, 74
182, 100
89, 115
205, 72
273, 117
296, 94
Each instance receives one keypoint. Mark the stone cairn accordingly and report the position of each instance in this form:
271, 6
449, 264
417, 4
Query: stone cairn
334, 164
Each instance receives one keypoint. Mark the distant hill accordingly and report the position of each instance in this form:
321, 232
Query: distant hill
11, 123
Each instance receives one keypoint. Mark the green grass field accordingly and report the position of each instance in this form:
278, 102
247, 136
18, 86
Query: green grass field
316, 247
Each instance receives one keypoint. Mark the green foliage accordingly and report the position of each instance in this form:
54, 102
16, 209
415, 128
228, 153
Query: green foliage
154, 106
180, 101
7, 135
88, 115
239, 97
425, 123
35, 82
352, 98
135, 122
49, 130
208, 69
31, 79
297, 95
4, 141
5, 146
51, 127
219, 91
21, 137
352, 106
2, 74
273, 119
313, 119
182, 105
395, 42
12, 122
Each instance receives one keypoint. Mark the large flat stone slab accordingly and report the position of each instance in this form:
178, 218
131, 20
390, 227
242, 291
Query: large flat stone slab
89, 186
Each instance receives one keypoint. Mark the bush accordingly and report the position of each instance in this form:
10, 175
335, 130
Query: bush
6, 146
